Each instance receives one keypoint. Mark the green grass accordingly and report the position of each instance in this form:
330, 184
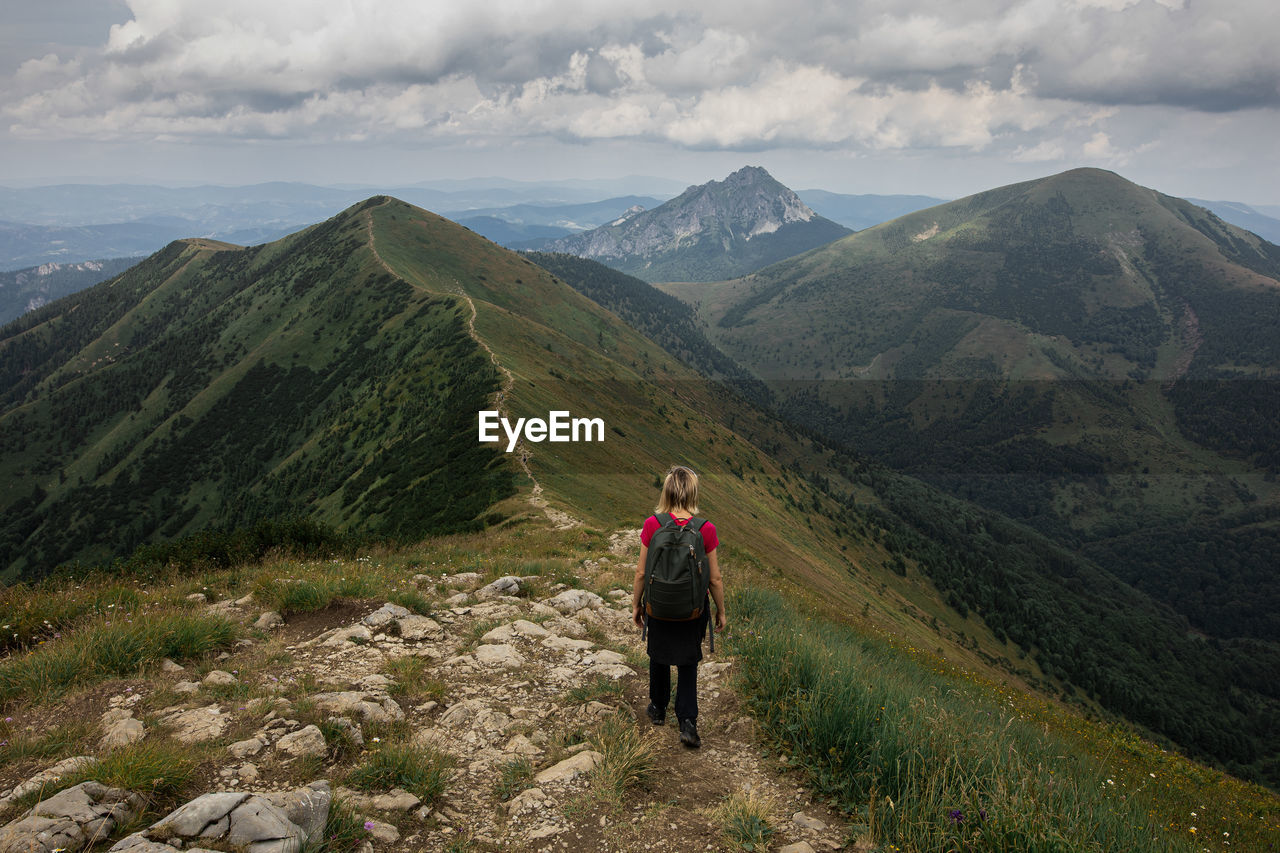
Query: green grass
420, 770
743, 818
923, 761
115, 648
57, 742
513, 777
413, 601
598, 689
344, 830
32, 613
629, 756
412, 684
160, 770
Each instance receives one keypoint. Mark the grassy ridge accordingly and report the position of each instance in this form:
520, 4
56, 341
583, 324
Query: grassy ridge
211, 387
928, 763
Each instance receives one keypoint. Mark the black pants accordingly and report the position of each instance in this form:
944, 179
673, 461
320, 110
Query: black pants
686, 688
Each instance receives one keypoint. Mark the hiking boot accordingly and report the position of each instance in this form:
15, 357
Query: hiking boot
657, 715
689, 734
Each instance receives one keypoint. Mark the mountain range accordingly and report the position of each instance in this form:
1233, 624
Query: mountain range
337, 374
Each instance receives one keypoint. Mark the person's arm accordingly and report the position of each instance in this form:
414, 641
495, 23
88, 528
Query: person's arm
715, 585
637, 588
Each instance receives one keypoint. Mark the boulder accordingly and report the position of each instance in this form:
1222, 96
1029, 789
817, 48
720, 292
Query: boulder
525, 628
571, 768
254, 823
398, 800
798, 847
71, 820
499, 655
521, 745
305, 741
573, 600
500, 634
219, 678
122, 733
462, 580
373, 707
384, 615
507, 585
42, 779
195, 724
384, 832
530, 800
605, 656
269, 621
349, 728
612, 671
567, 644
342, 637
245, 748
416, 628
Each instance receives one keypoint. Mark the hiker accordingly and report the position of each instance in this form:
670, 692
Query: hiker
672, 616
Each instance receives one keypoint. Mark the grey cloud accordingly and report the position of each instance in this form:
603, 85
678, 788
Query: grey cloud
601, 76
662, 70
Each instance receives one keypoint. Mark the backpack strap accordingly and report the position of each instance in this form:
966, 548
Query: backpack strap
695, 524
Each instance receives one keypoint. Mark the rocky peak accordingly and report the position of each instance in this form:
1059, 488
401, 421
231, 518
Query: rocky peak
718, 217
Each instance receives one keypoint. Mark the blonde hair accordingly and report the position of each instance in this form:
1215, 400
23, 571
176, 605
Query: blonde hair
679, 491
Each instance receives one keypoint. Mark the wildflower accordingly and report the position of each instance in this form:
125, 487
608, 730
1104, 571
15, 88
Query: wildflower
1193, 830
368, 825
957, 816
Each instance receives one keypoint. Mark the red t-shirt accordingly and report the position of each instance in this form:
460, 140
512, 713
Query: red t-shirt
651, 525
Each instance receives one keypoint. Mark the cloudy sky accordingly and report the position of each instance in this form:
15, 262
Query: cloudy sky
911, 96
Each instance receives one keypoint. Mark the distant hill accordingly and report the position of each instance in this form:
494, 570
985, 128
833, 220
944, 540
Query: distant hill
570, 217
863, 211
509, 234
28, 289
709, 232
23, 246
1242, 215
1089, 356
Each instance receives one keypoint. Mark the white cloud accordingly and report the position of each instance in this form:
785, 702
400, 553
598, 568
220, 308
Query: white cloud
875, 74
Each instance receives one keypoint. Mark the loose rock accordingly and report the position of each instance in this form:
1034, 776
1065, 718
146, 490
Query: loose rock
269, 620
306, 741
570, 768
122, 733
71, 819
573, 600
